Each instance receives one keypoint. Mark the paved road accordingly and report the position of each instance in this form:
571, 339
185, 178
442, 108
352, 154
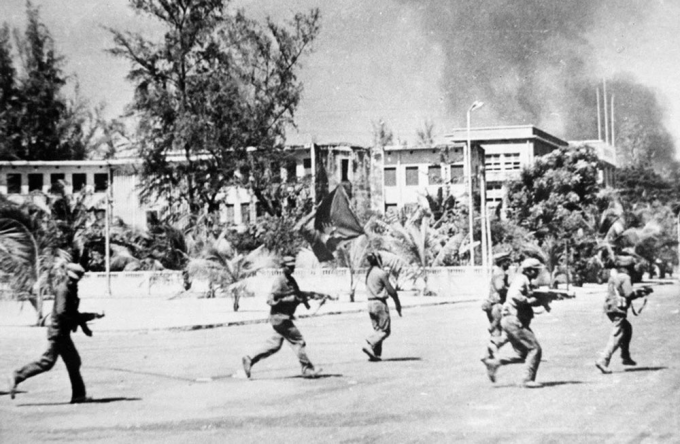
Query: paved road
172, 386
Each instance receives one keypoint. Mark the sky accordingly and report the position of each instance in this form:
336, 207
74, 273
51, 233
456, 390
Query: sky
406, 62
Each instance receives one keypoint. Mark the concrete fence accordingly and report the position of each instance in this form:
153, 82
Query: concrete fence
445, 281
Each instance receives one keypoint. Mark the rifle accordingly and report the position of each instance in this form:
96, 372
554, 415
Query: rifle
305, 296
546, 295
83, 319
641, 292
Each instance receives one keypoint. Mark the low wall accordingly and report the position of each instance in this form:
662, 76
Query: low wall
445, 281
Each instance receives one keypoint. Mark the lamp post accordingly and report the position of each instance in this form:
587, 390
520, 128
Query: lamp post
468, 166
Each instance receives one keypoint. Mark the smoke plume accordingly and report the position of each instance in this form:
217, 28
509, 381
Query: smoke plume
531, 61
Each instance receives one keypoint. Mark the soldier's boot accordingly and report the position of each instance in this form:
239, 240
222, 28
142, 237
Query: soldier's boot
531, 384
12, 385
247, 365
628, 361
371, 354
603, 366
491, 368
311, 373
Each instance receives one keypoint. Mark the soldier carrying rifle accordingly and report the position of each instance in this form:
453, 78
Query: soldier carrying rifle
517, 314
65, 319
620, 294
284, 299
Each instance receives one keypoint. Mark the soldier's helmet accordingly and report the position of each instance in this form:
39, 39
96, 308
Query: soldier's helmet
74, 271
531, 263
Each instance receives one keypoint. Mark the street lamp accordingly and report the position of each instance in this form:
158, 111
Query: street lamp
468, 166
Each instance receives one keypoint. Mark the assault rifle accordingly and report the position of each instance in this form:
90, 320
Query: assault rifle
546, 295
305, 296
641, 292
84, 318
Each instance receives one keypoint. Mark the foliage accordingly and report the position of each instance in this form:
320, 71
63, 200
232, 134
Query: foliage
226, 268
217, 84
38, 123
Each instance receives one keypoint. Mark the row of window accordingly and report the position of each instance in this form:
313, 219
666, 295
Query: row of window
413, 175
35, 181
502, 162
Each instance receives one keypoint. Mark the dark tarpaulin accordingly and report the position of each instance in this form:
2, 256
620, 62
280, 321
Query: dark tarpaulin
331, 223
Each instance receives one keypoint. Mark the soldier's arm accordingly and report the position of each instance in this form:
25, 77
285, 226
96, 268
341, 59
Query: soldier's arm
393, 293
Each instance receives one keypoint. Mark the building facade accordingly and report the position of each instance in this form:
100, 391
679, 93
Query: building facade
409, 174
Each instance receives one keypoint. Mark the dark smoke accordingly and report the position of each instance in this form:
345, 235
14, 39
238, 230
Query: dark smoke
531, 62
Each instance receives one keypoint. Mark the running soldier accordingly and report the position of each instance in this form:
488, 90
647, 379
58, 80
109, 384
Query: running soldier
379, 289
493, 305
65, 319
517, 315
620, 293
284, 299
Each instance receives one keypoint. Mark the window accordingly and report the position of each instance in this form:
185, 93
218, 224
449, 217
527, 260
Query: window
434, 174
79, 182
493, 162
511, 162
229, 213
390, 208
57, 182
14, 184
35, 182
307, 165
259, 209
390, 177
291, 171
457, 174
245, 213
101, 181
344, 169
411, 176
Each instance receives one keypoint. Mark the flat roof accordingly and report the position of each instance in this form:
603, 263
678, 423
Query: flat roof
500, 133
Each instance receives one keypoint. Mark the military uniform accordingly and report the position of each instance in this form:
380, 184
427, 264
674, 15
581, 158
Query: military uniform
517, 314
379, 289
284, 299
493, 307
619, 294
65, 318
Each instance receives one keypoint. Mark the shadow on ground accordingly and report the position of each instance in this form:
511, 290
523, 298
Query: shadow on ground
645, 369
92, 401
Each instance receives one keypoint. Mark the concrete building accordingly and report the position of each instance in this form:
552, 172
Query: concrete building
332, 165
19, 179
411, 173
507, 149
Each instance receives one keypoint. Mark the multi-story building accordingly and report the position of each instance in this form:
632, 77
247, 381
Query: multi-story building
21, 179
332, 165
507, 149
411, 173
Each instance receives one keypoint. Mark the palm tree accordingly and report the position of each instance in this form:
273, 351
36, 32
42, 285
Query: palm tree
227, 269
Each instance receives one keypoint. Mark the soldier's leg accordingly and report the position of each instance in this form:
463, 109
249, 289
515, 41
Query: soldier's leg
71, 358
626, 336
271, 346
525, 342
290, 333
45, 363
615, 338
380, 319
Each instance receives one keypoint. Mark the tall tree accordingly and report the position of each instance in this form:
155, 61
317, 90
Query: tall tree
38, 122
217, 84
9, 98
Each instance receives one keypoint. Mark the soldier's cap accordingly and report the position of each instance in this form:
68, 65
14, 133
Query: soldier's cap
501, 256
624, 261
74, 271
288, 260
531, 263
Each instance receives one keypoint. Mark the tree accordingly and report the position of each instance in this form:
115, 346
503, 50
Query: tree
382, 134
216, 85
554, 194
38, 122
425, 136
